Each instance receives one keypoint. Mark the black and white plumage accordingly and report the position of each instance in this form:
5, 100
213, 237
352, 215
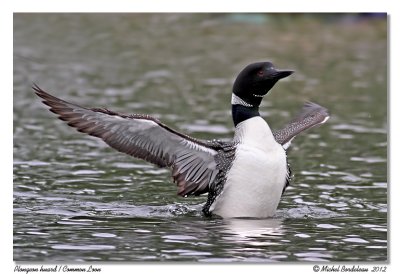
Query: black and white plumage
244, 178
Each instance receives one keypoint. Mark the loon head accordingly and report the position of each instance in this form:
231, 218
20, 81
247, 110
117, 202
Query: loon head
254, 82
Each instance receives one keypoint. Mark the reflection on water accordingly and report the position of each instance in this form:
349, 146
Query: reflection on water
77, 200
249, 230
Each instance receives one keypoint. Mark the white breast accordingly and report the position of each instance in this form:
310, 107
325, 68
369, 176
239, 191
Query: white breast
258, 174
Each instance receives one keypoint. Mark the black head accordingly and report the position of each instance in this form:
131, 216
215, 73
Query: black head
255, 80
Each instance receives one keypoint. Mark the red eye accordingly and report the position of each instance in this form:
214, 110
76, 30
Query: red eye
260, 73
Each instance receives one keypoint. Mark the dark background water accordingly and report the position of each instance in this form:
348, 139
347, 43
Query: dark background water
77, 200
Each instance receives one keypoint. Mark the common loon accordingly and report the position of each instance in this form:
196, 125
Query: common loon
244, 177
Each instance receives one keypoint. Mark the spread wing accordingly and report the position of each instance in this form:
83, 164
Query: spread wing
142, 136
311, 115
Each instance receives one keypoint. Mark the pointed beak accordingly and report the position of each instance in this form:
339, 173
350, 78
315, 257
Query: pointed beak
279, 74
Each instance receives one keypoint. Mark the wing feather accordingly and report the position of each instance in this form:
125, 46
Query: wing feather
310, 116
192, 161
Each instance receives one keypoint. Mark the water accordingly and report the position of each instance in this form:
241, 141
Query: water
77, 200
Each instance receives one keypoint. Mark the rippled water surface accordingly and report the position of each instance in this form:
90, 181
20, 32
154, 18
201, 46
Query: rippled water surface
77, 200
